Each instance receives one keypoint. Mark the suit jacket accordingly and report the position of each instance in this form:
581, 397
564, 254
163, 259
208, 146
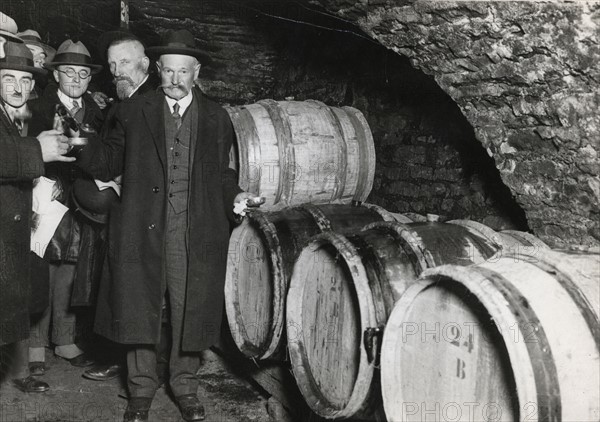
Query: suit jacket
21, 162
130, 301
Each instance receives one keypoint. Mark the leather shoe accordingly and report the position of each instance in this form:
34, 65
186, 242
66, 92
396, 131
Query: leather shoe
31, 385
37, 368
103, 372
137, 409
190, 407
81, 360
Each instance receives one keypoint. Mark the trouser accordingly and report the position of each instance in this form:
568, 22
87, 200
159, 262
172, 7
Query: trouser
63, 319
142, 379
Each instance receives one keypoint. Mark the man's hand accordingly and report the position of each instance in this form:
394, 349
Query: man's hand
54, 144
243, 200
101, 99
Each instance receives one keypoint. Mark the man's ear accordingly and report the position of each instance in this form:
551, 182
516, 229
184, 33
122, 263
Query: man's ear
196, 71
32, 84
146, 63
55, 73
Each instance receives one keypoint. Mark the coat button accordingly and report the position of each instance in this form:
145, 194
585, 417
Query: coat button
17, 218
155, 189
152, 226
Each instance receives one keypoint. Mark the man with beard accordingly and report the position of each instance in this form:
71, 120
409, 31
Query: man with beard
129, 66
169, 234
73, 69
23, 158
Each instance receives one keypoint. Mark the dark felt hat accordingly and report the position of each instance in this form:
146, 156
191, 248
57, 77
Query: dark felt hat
179, 42
73, 53
18, 57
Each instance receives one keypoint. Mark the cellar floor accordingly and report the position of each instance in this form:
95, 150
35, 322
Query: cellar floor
227, 397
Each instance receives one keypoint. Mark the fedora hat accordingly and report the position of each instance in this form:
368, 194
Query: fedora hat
31, 37
18, 57
8, 28
73, 53
179, 42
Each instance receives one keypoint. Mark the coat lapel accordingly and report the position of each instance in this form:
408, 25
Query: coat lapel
206, 125
152, 110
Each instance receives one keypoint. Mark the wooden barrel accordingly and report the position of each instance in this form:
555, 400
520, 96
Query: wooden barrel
294, 152
517, 339
508, 241
262, 251
341, 292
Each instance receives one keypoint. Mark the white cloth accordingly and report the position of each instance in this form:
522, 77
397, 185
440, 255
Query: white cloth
49, 214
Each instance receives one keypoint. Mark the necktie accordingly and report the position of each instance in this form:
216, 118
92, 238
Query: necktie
77, 111
176, 115
19, 124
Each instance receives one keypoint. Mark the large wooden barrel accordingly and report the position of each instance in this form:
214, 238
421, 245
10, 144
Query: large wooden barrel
341, 292
294, 152
508, 241
262, 251
517, 339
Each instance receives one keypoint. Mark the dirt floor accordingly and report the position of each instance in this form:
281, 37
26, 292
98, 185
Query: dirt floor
226, 396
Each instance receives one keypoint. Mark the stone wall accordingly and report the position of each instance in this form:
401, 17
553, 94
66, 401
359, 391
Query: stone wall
514, 81
526, 76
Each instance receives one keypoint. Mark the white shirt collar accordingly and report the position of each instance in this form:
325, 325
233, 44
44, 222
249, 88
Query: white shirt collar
137, 87
68, 101
184, 103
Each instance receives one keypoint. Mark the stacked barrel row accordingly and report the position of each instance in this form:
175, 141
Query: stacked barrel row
466, 323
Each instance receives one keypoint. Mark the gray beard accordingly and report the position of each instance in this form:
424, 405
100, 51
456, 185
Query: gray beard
124, 89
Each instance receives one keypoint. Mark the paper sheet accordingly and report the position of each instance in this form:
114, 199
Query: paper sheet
115, 184
47, 215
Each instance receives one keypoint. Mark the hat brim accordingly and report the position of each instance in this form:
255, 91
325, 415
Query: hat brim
155, 52
94, 68
50, 52
36, 71
10, 36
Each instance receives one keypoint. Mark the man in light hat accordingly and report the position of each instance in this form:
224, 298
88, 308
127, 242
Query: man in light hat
8, 32
73, 69
23, 158
41, 52
169, 235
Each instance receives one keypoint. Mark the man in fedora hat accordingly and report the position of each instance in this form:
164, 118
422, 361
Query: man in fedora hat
41, 53
8, 32
73, 69
23, 158
168, 237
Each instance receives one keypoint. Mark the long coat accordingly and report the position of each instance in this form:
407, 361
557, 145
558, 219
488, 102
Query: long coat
20, 163
130, 302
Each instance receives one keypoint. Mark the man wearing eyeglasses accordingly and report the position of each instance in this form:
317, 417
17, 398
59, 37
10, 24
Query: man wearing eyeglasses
72, 69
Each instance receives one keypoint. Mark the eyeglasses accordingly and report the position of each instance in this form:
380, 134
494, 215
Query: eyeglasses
70, 72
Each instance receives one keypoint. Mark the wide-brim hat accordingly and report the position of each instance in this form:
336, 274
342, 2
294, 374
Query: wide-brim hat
31, 37
18, 57
75, 54
9, 29
179, 42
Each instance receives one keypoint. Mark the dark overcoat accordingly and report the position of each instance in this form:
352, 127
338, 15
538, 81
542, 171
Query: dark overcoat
20, 163
130, 302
